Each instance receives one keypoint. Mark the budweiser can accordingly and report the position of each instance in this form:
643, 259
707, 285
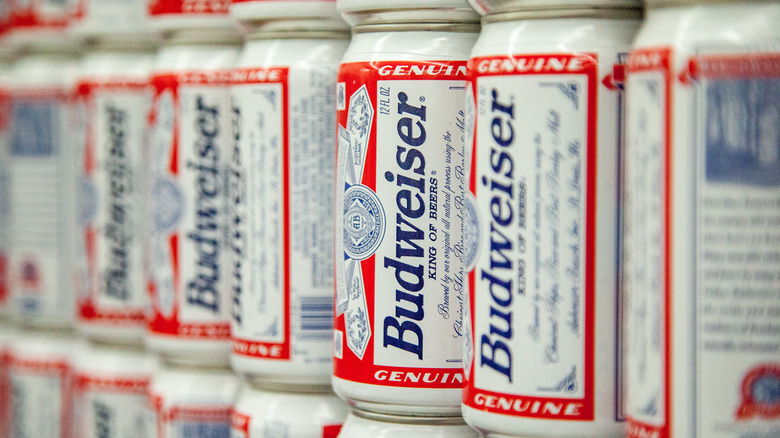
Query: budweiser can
546, 109
36, 21
40, 375
110, 17
703, 221
191, 402
282, 176
273, 410
400, 294
6, 78
42, 186
178, 15
110, 391
190, 138
7, 334
360, 424
115, 97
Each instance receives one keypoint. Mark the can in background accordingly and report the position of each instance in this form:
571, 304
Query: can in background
247, 11
400, 172
270, 410
40, 21
361, 424
177, 15
110, 387
42, 186
282, 177
115, 97
7, 334
191, 401
542, 351
703, 221
190, 138
7, 58
40, 374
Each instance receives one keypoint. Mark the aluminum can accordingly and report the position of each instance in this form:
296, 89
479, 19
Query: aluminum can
282, 411
360, 12
115, 97
36, 21
555, 8
40, 374
281, 182
6, 78
703, 156
249, 11
361, 424
400, 176
546, 109
7, 334
102, 18
110, 391
187, 402
42, 187
190, 138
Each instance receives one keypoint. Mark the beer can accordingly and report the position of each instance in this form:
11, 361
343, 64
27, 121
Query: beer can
703, 157
6, 78
42, 186
190, 136
40, 375
97, 18
546, 108
7, 333
274, 410
281, 182
38, 21
187, 402
361, 424
398, 330
114, 96
110, 391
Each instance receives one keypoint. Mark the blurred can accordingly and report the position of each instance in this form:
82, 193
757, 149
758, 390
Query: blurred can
111, 385
360, 424
176, 15
256, 11
190, 137
703, 221
115, 96
282, 176
188, 402
41, 380
42, 185
400, 293
270, 410
7, 59
546, 104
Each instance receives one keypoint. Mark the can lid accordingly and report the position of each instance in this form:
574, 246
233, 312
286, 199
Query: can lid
295, 28
268, 385
399, 11
657, 4
403, 419
262, 10
498, 6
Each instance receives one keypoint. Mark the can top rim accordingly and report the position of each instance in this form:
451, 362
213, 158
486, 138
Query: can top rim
660, 4
399, 419
541, 13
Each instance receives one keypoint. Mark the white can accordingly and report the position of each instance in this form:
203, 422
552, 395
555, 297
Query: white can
360, 424
188, 402
703, 221
102, 18
281, 181
42, 187
190, 138
542, 350
401, 171
110, 391
40, 374
287, 411
115, 97
35, 21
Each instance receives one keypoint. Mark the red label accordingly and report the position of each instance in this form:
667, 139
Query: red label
358, 362
731, 66
514, 401
659, 60
331, 431
189, 7
240, 423
86, 383
58, 369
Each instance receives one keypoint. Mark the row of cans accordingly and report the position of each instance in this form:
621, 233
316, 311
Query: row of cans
575, 247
